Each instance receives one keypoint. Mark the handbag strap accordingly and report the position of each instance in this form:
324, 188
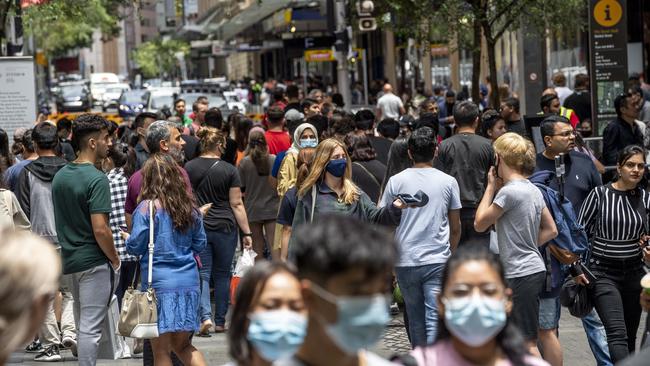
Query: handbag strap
151, 245
313, 202
205, 175
368, 172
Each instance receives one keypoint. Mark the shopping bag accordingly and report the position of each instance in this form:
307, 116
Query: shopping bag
244, 263
111, 345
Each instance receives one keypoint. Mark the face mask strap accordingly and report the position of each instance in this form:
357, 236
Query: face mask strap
323, 294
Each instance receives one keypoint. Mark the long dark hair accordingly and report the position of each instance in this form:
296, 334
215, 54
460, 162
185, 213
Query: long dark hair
398, 160
258, 150
243, 126
161, 181
248, 292
359, 147
509, 339
6, 157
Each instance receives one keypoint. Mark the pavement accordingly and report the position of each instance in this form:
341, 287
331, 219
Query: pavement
572, 337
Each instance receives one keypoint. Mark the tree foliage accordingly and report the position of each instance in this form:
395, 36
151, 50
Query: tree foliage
446, 19
61, 25
158, 57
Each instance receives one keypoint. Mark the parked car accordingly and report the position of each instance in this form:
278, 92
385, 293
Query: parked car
234, 102
73, 98
112, 95
98, 84
132, 102
161, 100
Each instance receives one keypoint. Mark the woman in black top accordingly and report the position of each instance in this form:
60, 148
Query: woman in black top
367, 171
616, 219
217, 182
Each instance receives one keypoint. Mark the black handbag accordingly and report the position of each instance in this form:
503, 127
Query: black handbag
576, 298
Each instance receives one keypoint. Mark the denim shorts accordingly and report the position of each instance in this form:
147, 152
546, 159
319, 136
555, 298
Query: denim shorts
549, 313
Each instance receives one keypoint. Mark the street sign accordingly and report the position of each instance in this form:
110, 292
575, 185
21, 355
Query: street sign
608, 58
319, 55
17, 94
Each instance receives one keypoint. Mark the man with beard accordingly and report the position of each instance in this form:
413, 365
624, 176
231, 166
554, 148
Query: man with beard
162, 137
81, 199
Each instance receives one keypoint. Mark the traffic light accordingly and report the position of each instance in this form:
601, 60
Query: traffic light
367, 21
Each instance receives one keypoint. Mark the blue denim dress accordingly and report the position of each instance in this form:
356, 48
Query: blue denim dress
175, 271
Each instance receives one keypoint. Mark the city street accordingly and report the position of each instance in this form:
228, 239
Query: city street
572, 337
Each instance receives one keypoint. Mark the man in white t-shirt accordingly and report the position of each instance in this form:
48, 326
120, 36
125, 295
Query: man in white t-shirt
426, 235
389, 105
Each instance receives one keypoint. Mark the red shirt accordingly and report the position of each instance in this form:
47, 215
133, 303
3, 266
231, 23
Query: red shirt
278, 141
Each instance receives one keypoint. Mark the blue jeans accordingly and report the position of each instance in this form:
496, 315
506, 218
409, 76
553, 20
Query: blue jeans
420, 287
597, 338
216, 260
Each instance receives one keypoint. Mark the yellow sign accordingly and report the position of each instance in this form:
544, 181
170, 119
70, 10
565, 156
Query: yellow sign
608, 13
327, 55
41, 59
319, 56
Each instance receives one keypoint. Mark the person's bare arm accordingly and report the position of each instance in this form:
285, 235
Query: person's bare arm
284, 249
487, 212
237, 206
402, 111
104, 237
454, 228
547, 228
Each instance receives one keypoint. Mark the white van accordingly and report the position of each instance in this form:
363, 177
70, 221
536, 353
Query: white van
98, 83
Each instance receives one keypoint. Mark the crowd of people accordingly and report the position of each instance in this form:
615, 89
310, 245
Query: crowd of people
339, 210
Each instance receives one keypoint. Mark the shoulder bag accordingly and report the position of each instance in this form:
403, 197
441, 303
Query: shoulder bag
139, 315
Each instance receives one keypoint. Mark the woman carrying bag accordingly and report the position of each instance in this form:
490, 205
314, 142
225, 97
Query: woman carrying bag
615, 217
178, 235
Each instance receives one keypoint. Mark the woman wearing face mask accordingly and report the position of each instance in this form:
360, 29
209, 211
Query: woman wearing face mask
269, 318
304, 136
474, 326
615, 217
329, 189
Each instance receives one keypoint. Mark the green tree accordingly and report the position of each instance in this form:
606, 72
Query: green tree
61, 25
158, 57
472, 20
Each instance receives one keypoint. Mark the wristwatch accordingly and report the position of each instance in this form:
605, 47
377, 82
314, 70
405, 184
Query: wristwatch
247, 234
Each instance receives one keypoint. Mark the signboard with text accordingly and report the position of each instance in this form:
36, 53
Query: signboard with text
17, 94
608, 58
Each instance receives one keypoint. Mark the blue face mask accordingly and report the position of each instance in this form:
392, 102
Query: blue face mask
474, 320
308, 142
360, 320
337, 167
276, 334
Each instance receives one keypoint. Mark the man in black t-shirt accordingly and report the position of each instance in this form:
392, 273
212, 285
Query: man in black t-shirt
467, 157
509, 110
580, 100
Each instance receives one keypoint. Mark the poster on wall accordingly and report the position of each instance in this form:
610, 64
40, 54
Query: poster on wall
608, 58
17, 93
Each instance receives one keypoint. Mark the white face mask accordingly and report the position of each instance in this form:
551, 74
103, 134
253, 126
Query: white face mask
474, 320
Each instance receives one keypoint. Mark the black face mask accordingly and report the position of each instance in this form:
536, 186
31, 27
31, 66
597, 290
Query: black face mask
584, 132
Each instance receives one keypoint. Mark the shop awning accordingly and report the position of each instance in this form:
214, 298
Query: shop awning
255, 13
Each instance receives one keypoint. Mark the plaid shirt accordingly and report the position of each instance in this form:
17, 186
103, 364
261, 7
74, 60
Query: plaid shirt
119, 184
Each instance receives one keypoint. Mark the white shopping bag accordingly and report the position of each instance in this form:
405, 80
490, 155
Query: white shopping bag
245, 262
112, 346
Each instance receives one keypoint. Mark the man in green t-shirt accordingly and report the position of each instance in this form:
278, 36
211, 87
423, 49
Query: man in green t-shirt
82, 203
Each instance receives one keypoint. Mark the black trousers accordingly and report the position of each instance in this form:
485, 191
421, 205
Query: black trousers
616, 293
128, 272
467, 233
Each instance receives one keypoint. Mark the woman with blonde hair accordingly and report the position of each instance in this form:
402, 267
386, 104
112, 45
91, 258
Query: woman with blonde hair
260, 197
329, 189
29, 276
523, 223
216, 183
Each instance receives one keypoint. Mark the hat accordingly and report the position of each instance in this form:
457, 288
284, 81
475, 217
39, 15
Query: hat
293, 115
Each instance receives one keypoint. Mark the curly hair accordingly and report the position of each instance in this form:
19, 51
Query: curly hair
161, 180
85, 126
211, 139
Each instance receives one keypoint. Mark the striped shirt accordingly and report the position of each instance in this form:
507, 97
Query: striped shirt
613, 220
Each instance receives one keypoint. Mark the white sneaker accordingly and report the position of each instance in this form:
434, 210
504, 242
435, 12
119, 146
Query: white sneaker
70, 343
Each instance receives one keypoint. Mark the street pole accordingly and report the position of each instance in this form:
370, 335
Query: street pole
365, 76
343, 78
